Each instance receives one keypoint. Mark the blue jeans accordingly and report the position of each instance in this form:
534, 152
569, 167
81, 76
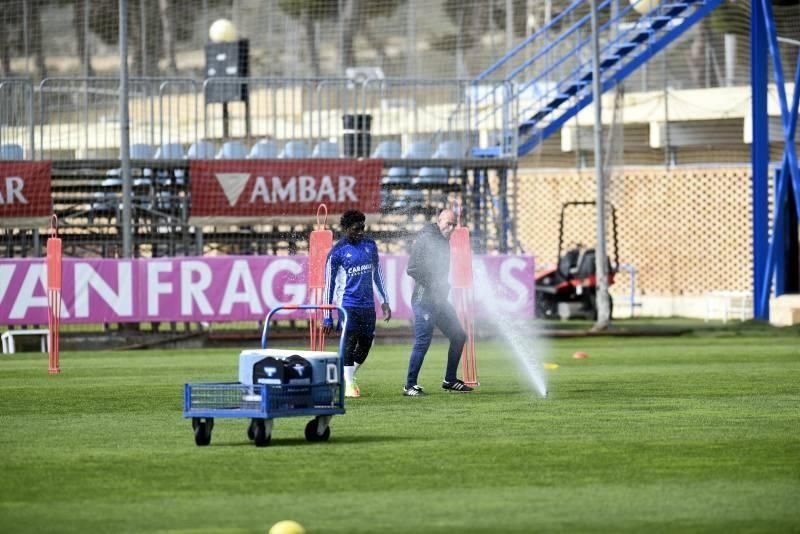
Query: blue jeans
444, 317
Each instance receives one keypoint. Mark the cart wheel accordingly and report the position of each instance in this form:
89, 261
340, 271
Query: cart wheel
260, 436
251, 430
202, 431
311, 432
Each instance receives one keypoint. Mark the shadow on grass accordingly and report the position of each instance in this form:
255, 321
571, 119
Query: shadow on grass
334, 440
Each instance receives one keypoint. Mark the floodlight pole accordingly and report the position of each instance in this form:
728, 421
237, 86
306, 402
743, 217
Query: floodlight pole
124, 127
601, 261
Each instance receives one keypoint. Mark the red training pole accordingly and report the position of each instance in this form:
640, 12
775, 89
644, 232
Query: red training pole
53, 294
320, 242
463, 296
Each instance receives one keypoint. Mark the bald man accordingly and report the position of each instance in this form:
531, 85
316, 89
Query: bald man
429, 266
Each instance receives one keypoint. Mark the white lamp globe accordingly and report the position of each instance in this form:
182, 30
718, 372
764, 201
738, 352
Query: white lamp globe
644, 6
222, 31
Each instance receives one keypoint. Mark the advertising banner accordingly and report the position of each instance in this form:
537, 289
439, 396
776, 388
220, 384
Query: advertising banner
25, 194
261, 191
226, 288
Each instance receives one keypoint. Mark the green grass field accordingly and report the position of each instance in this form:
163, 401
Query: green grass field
692, 434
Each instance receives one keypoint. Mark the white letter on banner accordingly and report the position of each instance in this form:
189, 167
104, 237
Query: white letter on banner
6, 272
326, 190
14, 185
155, 287
346, 185
297, 292
260, 190
194, 292
121, 301
516, 287
34, 277
281, 193
307, 193
240, 273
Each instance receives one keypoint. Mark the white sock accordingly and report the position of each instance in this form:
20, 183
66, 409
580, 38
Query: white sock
355, 368
349, 373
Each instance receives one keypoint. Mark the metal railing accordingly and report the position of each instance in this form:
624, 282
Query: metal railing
78, 118
16, 115
552, 69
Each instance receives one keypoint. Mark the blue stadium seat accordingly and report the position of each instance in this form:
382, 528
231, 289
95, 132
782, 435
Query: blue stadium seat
141, 151
450, 150
232, 150
400, 175
164, 177
295, 150
388, 150
440, 175
326, 149
264, 149
405, 199
201, 150
170, 151
419, 150
11, 151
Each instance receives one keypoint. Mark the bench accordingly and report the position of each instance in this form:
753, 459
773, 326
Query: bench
8, 339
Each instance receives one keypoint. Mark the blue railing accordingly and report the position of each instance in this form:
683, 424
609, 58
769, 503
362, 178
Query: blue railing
556, 76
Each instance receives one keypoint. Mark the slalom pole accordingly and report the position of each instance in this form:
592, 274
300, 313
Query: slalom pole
320, 242
463, 297
53, 295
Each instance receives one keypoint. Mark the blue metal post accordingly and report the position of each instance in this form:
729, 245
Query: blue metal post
760, 186
505, 222
477, 209
778, 228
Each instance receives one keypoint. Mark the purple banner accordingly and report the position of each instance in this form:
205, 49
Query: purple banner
225, 288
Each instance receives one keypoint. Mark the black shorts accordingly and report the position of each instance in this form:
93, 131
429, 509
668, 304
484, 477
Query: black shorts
360, 321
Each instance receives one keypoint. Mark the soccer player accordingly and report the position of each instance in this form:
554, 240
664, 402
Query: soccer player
429, 266
350, 270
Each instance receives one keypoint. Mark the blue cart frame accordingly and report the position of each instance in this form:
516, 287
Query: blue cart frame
262, 403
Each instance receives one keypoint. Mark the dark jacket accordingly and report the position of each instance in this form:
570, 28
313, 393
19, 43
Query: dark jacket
429, 266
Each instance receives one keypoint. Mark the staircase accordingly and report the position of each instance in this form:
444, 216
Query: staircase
548, 77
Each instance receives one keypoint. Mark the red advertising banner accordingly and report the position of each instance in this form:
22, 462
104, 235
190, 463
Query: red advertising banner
25, 193
263, 190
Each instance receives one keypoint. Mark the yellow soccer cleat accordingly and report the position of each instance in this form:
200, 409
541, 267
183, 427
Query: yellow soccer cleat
351, 390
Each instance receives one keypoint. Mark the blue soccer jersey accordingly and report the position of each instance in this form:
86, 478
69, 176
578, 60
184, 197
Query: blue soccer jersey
349, 273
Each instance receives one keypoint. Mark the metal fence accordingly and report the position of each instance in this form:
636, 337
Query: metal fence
16, 119
78, 118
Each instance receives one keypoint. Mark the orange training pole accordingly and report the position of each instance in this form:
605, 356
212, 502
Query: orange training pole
463, 297
320, 242
53, 293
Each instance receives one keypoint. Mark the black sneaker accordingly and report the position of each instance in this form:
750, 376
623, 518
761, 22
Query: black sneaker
413, 391
457, 385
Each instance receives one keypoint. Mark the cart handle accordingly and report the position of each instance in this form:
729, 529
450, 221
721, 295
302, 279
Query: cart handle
342, 311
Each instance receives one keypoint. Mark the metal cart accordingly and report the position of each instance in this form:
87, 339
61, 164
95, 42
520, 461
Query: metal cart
262, 403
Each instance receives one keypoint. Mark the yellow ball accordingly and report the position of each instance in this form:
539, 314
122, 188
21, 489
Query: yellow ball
222, 31
287, 526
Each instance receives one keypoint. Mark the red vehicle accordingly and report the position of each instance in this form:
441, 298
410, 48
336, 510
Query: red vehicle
573, 282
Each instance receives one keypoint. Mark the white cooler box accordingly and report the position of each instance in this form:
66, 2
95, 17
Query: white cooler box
324, 365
